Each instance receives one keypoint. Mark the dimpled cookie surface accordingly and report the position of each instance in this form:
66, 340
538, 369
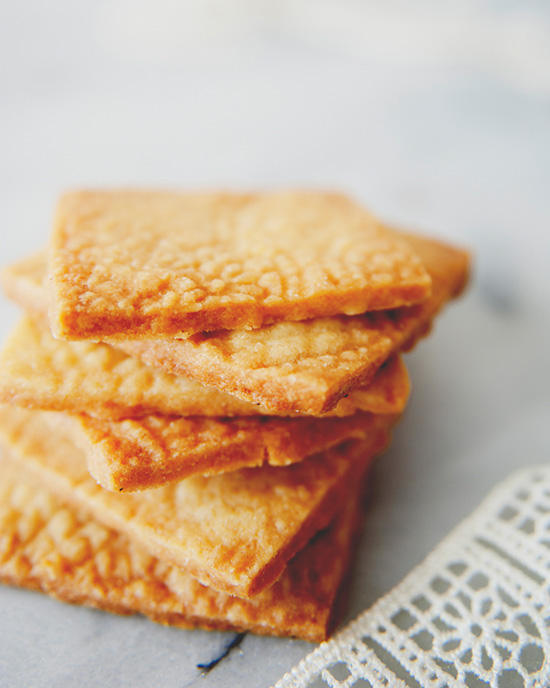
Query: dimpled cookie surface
135, 264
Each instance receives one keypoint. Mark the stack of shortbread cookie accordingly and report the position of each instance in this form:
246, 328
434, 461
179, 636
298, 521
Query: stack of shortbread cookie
194, 396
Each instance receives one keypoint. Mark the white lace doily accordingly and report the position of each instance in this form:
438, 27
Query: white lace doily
474, 614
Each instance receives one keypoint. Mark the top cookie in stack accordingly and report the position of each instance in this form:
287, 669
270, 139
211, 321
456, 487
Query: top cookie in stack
199, 334
147, 265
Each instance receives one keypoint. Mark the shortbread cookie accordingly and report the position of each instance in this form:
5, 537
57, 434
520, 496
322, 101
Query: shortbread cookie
140, 453
233, 532
41, 372
303, 367
48, 545
135, 264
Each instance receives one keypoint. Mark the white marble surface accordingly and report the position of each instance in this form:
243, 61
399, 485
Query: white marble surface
438, 119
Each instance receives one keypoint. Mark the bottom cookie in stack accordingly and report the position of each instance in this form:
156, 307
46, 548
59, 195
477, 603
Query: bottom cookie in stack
63, 534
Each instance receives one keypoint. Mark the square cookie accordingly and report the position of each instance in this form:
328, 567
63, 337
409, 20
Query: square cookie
141, 453
148, 264
41, 372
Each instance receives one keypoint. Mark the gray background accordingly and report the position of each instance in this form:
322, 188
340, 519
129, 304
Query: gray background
434, 114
